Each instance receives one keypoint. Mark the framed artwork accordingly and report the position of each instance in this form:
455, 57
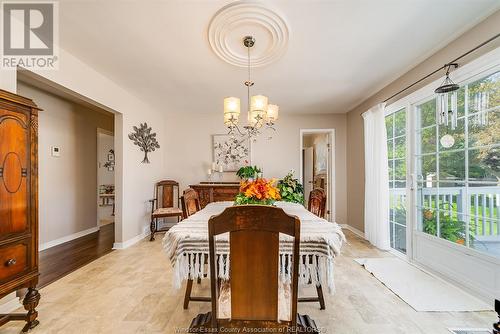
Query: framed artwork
230, 152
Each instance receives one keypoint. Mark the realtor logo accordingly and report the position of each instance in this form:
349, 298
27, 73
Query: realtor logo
29, 34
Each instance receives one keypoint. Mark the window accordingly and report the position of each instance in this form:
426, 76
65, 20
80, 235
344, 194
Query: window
396, 151
458, 171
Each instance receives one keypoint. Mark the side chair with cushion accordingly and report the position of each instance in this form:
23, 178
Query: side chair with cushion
164, 205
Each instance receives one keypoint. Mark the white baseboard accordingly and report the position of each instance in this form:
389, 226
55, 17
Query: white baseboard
353, 230
10, 306
67, 238
122, 245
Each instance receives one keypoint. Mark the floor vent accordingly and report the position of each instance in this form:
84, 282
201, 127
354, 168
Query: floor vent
470, 331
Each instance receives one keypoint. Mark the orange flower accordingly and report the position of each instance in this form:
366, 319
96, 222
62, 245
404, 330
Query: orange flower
260, 189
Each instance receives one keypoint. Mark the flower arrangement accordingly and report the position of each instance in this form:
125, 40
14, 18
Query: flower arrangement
291, 190
257, 191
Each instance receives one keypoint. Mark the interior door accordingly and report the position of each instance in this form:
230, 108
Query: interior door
308, 171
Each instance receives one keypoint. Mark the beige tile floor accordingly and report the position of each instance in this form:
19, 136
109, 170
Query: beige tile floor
130, 291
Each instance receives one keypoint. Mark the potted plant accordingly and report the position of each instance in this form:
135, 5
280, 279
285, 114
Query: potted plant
291, 190
249, 172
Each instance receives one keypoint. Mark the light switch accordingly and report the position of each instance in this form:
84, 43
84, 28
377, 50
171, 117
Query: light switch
55, 151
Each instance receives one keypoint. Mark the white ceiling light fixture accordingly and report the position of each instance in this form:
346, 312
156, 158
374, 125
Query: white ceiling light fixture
260, 112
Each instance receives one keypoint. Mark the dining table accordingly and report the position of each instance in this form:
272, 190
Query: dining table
186, 246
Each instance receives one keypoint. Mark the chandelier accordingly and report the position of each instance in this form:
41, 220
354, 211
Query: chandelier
261, 114
446, 102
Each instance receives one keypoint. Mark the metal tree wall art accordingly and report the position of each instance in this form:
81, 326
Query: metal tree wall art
145, 139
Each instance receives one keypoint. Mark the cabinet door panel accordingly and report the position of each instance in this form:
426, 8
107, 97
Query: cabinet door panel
14, 173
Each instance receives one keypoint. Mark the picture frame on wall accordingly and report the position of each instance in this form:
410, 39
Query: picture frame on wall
230, 152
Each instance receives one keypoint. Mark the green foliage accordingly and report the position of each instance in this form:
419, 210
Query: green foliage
241, 199
450, 228
291, 190
248, 172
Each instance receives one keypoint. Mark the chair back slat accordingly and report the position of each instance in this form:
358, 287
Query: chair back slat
254, 261
165, 193
254, 275
190, 202
317, 202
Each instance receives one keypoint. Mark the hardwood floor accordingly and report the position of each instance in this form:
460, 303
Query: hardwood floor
63, 259
130, 291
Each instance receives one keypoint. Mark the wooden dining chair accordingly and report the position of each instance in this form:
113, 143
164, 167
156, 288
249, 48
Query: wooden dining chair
317, 202
165, 204
254, 271
190, 202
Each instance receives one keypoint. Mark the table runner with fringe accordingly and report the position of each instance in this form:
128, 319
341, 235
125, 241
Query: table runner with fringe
186, 245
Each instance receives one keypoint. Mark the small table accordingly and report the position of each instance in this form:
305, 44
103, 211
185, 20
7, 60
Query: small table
106, 201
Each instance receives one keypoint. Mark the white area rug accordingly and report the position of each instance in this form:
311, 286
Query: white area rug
419, 289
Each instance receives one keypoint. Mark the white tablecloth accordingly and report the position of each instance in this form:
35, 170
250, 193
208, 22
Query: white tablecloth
186, 245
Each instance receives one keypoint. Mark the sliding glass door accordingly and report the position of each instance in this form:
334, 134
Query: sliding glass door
458, 171
396, 150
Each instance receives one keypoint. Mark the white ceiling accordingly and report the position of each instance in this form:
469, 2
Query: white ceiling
339, 53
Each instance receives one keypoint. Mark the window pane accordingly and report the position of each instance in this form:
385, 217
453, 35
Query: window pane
487, 134
453, 199
427, 113
427, 168
400, 238
428, 140
428, 221
452, 228
484, 93
484, 201
484, 164
457, 135
461, 102
388, 125
452, 166
390, 148
400, 170
427, 194
400, 122
400, 147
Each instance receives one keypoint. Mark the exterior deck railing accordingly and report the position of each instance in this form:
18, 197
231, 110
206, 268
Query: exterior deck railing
484, 206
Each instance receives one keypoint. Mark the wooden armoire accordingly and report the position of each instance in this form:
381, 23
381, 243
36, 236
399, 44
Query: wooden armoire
19, 204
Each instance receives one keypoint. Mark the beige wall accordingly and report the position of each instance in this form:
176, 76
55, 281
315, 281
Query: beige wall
67, 184
189, 154
355, 158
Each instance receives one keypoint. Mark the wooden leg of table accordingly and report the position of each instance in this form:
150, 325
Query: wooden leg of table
187, 296
198, 280
152, 227
30, 302
321, 298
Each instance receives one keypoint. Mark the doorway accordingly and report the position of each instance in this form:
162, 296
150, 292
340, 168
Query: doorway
317, 165
105, 177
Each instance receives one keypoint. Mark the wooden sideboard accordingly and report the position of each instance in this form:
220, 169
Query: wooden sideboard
209, 192
19, 203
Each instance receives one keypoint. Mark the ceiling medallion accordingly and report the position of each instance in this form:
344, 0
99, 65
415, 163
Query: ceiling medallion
248, 17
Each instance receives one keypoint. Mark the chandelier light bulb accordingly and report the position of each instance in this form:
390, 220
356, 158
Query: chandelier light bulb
258, 103
231, 110
272, 112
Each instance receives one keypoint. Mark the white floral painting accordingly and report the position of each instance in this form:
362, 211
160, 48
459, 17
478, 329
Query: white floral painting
231, 152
